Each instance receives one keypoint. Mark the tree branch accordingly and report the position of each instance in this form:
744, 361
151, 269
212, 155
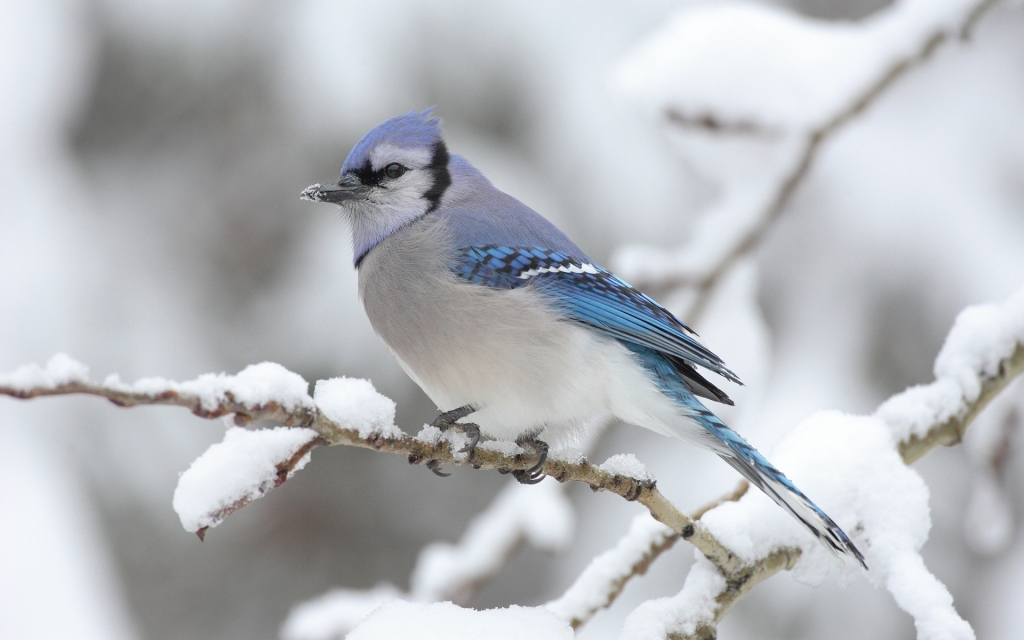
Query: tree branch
951, 432
744, 577
301, 411
417, 451
947, 433
705, 282
607, 574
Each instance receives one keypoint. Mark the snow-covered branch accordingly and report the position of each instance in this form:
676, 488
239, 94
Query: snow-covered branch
537, 515
982, 354
741, 539
540, 516
757, 94
951, 431
345, 412
607, 574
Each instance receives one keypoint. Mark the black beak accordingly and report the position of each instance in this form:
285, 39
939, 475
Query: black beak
348, 188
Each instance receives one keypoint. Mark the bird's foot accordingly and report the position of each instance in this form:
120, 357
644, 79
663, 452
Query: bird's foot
534, 474
446, 421
473, 431
435, 467
450, 419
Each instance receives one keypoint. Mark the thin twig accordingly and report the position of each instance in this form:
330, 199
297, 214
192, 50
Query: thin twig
813, 140
947, 433
285, 469
416, 451
951, 432
740, 576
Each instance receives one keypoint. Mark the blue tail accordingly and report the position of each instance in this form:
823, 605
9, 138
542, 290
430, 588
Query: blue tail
736, 451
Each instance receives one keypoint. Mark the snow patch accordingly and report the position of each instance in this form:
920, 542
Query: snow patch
335, 613
430, 434
981, 337
539, 514
592, 588
850, 468
567, 454
256, 385
61, 369
355, 404
683, 613
626, 464
506, 448
234, 472
398, 620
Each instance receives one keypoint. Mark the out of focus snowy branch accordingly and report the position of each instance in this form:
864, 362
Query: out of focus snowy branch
954, 419
607, 574
539, 516
752, 93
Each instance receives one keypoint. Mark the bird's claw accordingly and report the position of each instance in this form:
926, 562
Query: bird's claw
523, 476
450, 419
534, 474
435, 466
473, 431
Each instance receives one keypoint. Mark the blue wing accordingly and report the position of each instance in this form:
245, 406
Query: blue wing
600, 300
593, 297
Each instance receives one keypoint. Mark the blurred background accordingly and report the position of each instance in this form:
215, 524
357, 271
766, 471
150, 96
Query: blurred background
152, 156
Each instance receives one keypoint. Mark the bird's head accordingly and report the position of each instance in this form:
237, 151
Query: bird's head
396, 174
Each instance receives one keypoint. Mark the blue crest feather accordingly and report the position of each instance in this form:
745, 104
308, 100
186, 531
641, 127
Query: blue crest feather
416, 129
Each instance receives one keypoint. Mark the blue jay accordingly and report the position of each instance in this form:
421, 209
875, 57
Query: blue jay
494, 312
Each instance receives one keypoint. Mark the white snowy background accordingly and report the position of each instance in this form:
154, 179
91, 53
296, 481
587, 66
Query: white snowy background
151, 155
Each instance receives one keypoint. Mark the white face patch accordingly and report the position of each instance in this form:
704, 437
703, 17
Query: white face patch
388, 207
583, 268
384, 154
392, 203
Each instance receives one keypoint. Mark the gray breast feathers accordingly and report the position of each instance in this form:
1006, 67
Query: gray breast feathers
505, 351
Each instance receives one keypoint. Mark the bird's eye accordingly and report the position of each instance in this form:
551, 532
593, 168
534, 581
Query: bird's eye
394, 170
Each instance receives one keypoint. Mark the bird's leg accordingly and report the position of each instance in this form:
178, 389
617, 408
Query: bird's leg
534, 474
447, 420
450, 419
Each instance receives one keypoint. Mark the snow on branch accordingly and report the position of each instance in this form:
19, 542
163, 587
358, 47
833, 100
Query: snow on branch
265, 391
542, 515
772, 86
607, 574
852, 465
245, 466
848, 464
348, 412
982, 354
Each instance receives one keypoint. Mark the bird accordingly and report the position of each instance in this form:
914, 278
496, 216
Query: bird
496, 314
